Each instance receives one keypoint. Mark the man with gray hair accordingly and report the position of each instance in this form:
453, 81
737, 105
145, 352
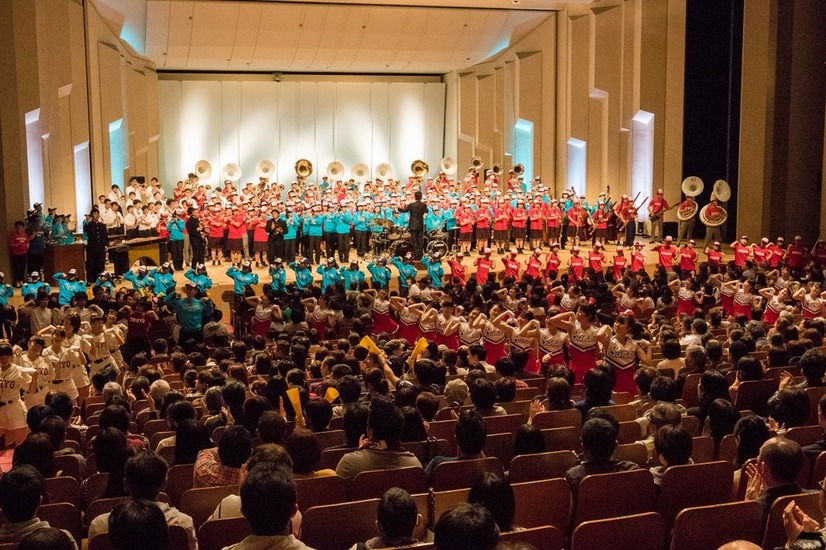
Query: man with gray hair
695, 363
111, 390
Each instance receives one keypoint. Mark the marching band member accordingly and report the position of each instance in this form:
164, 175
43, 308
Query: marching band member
638, 258
519, 221
577, 222
465, 219
344, 217
303, 275
618, 263
512, 266
760, 253
163, 280
666, 253
627, 215
687, 257
533, 264
433, 264
237, 225
501, 219
599, 231
714, 255
552, 262
713, 211
279, 276
483, 266
595, 259
554, 217
536, 218
686, 227
216, 225
458, 272
742, 253
576, 265
7, 313
329, 274
242, 278
484, 218
68, 286
656, 209
352, 275
361, 220
777, 251
407, 272
379, 273
796, 255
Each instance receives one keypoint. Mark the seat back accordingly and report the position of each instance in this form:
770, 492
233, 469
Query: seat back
500, 445
541, 538
157, 437
814, 395
561, 439
528, 393
178, 481
462, 473
63, 489
754, 395
543, 502
702, 449
632, 452
425, 450
62, 515
818, 470
318, 491
199, 503
507, 423
517, 407
635, 532
444, 429
154, 426
690, 389
176, 537
219, 533
775, 534
693, 485
805, 435
68, 466
631, 491
629, 432
692, 424
623, 413
732, 521
727, 450
330, 457
96, 485
102, 506
374, 483
540, 466
330, 438
558, 419
359, 525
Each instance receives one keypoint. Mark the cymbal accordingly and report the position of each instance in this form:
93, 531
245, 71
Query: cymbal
383, 223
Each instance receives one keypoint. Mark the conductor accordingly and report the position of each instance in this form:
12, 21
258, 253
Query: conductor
417, 209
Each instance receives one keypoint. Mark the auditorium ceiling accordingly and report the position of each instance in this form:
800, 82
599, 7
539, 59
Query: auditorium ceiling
367, 36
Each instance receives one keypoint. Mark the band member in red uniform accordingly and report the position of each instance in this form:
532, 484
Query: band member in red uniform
465, 218
741, 252
713, 212
760, 253
688, 259
552, 262
595, 259
554, 216
519, 222
638, 258
686, 228
575, 265
501, 218
512, 265
600, 227
656, 208
666, 253
483, 267
577, 222
534, 263
618, 263
777, 251
715, 255
796, 255
536, 217
457, 270
627, 220
484, 218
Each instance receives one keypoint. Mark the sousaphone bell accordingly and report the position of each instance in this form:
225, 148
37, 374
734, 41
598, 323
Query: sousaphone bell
303, 168
335, 170
692, 186
519, 169
419, 168
383, 171
722, 190
231, 171
719, 217
448, 165
476, 163
265, 168
203, 169
360, 172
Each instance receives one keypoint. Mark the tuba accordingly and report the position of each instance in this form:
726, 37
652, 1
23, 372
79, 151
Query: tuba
722, 190
335, 170
718, 219
231, 172
692, 186
496, 169
383, 170
519, 169
476, 163
203, 169
303, 168
448, 165
360, 172
419, 168
265, 168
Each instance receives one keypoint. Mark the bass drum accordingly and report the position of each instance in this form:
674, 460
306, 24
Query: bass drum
437, 246
399, 248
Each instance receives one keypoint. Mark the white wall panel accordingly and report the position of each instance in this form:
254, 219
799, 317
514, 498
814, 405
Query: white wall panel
353, 126
230, 122
288, 129
325, 127
307, 108
407, 116
434, 130
380, 114
200, 125
258, 134
169, 113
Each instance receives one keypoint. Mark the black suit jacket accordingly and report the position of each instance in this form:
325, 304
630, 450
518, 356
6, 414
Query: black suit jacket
417, 210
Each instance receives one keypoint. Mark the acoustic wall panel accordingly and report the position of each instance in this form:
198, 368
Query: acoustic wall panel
434, 129
380, 118
407, 115
229, 131
307, 107
200, 126
353, 125
171, 165
286, 128
325, 145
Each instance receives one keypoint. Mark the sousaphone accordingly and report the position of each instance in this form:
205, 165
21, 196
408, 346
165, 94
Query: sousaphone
692, 186
231, 171
722, 190
265, 168
203, 169
448, 165
496, 169
383, 171
303, 168
476, 163
419, 168
713, 221
360, 172
519, 169
335, 170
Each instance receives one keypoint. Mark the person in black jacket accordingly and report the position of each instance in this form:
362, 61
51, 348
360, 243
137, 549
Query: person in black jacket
417, 209
97, 239
196, 239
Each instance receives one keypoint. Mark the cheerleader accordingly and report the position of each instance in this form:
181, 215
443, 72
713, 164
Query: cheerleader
447, 326
627, 298
811, 300
775, 304
522, 337
622, 353
552, 344
744, 298
319, 315
493, 337
380, 308
13, 381
264, 314
687, 300
571, 300
582, 338
727, 292
409, 312
427, 324
470, 329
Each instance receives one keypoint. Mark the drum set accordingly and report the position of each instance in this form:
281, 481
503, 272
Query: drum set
394, 240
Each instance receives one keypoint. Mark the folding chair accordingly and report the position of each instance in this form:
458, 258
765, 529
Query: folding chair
561, 439
219, 533
540, 466
568, 418
330, 438
374, 483
68, 466
318, 491
354, 522
635, 532
500, 445
504, 424
693, 485
754, 395
330, 457
732, 521
463, 473
775, 535
201, 502
63, 489
178, 481
702, 449
541, 538
629, 432
623, 413
610, 495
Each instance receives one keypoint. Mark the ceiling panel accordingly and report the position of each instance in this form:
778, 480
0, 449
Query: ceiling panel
201, 35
